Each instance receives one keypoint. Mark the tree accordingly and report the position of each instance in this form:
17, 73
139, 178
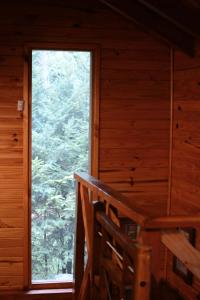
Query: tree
60, 135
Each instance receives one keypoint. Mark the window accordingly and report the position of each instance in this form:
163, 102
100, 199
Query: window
62, 141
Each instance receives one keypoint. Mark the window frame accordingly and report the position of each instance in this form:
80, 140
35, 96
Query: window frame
27, 129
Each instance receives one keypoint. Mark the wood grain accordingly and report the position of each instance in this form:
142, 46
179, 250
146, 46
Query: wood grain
134, 98
185, 182
183, 250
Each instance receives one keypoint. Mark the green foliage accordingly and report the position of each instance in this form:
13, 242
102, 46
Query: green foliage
60, 135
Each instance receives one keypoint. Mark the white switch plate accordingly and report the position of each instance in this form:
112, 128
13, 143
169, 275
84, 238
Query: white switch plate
20, 105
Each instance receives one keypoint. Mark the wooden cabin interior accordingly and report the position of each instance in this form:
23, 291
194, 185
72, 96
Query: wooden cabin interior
145, 136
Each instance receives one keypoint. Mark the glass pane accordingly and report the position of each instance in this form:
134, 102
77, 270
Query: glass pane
60, 146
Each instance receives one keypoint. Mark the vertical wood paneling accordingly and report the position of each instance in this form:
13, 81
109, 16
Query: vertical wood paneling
134, 110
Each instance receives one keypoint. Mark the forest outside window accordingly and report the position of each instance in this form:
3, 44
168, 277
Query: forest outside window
60, 145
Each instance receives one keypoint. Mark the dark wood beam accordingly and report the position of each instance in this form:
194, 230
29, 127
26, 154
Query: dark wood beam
151, 21
182, 13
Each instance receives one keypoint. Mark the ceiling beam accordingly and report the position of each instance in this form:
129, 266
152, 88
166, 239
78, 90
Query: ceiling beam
153, 22
183, 14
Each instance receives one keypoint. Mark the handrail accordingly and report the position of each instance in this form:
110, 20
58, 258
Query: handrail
133, 211
174, 221
126, 242
177, 243
88, 190
112, 197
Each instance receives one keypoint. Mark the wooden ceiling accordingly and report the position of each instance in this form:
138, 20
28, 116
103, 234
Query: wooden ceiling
175, 21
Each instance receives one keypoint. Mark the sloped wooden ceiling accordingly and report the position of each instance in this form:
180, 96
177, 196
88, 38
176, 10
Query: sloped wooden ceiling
177, 22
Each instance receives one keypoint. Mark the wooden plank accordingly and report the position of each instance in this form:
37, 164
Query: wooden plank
11, 196
11, 252
10, 172
138, 115
152, 204
11, 60
11, 81
11, 233
109, 175
151, 134
178, 244
132, 74
10, 112
172, 221
7, 282
14, 242
8, 71
134, 104
80, 32
7, 124
11, 223
134, 64
11, 260
95, 248
85, 285
86, 213
185, 63
26, 175
128, 55
134, 124
79, 245
142, 276
151, 20
188, 19
185, 152
95, 113
84, 18
142, 55
146, 187
12, 50
135, 183
136, 161
12, 269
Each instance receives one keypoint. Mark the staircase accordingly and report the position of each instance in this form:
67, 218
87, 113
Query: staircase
119, 266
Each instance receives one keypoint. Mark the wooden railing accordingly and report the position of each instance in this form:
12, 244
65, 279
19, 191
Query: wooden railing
100, 214
179, 245
118, 260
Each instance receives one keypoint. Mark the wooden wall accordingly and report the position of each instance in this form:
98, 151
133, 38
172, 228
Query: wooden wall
134, 110
185, 185
134, 135
134, 123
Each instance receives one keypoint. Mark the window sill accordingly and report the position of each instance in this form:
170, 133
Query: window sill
55, 285
49, 291
53, 294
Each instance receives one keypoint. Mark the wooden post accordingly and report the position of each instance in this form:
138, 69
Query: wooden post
80, 242
141, 286
95, 248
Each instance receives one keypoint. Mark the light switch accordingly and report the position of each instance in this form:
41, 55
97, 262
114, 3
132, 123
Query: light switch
20, 105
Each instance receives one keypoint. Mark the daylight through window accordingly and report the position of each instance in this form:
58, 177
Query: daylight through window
61, 94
